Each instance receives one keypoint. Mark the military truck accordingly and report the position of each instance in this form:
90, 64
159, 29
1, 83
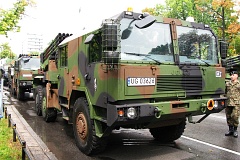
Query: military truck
132, 71
22, 80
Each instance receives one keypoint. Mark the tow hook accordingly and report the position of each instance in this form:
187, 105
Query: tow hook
157, 112
203, 108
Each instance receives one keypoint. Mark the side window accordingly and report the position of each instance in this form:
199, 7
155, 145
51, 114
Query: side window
63, 56
95, 50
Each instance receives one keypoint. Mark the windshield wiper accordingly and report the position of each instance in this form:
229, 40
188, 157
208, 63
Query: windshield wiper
205, 62
145, 55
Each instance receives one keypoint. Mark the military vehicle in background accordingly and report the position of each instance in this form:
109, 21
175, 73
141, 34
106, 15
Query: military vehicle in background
232, 63
133, 71
22, 80
5, 67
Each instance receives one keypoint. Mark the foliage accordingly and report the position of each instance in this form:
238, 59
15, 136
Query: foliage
9, 18
221, 15
234, 47
8, 149
6, 51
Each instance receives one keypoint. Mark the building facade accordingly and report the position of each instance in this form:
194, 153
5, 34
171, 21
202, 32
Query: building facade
32, 43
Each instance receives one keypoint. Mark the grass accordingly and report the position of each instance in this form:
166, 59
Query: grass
9, 150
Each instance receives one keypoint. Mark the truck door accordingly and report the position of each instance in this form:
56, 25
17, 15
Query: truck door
63, 72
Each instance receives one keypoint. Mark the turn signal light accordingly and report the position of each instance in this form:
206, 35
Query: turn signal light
222, 103
210, 104
78, 82
120, 113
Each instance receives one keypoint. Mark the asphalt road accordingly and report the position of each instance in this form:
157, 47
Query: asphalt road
201, 141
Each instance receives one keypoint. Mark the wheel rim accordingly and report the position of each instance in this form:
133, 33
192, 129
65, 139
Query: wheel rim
81, 125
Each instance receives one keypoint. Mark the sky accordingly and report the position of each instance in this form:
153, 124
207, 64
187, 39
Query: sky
50, 17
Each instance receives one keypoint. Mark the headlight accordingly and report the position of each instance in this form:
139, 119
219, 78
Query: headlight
131, 113
215, 106
24, 83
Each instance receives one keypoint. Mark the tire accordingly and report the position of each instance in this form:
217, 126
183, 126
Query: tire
84, 129
49, 114
38, 100
168, 133
20, 94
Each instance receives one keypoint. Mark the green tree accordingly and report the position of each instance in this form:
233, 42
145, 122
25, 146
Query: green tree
9, 18
221, 14
234, 46
180, 9
6, 51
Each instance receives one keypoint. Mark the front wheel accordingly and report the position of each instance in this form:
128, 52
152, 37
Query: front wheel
84, 129
20, 94
49, 114
168, 133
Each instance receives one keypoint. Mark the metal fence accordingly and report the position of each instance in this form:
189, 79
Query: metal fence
16, 135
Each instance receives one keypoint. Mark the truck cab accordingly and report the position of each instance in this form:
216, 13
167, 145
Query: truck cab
133, 71
22, 80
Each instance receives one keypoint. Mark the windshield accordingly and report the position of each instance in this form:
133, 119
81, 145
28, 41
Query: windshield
30, 63
154, 41
196, 46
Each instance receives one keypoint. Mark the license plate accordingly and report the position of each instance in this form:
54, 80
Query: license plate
140, 81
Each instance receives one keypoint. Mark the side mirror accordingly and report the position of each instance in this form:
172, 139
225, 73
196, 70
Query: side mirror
12, 71
89, 39
126, 33
223, 49
16, 66
145, 22
224, 63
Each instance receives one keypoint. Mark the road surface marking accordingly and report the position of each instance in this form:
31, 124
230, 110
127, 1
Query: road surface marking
211, 145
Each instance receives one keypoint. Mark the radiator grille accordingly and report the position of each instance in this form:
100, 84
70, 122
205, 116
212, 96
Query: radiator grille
176, 83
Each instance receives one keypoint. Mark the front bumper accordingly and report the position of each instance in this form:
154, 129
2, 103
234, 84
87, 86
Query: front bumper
147, 113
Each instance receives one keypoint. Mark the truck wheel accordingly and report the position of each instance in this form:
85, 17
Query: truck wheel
49, 114
84, 129
38, 100
20, 94
168, 133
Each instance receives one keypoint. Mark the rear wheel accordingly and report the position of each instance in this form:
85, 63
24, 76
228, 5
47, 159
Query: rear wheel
49, 114
168, 133
84, 129
38, 100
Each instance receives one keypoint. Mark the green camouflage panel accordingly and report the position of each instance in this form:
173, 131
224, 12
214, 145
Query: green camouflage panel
24, 75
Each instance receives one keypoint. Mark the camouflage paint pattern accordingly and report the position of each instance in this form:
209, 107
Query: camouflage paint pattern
180, 90
232, 114
233, 103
